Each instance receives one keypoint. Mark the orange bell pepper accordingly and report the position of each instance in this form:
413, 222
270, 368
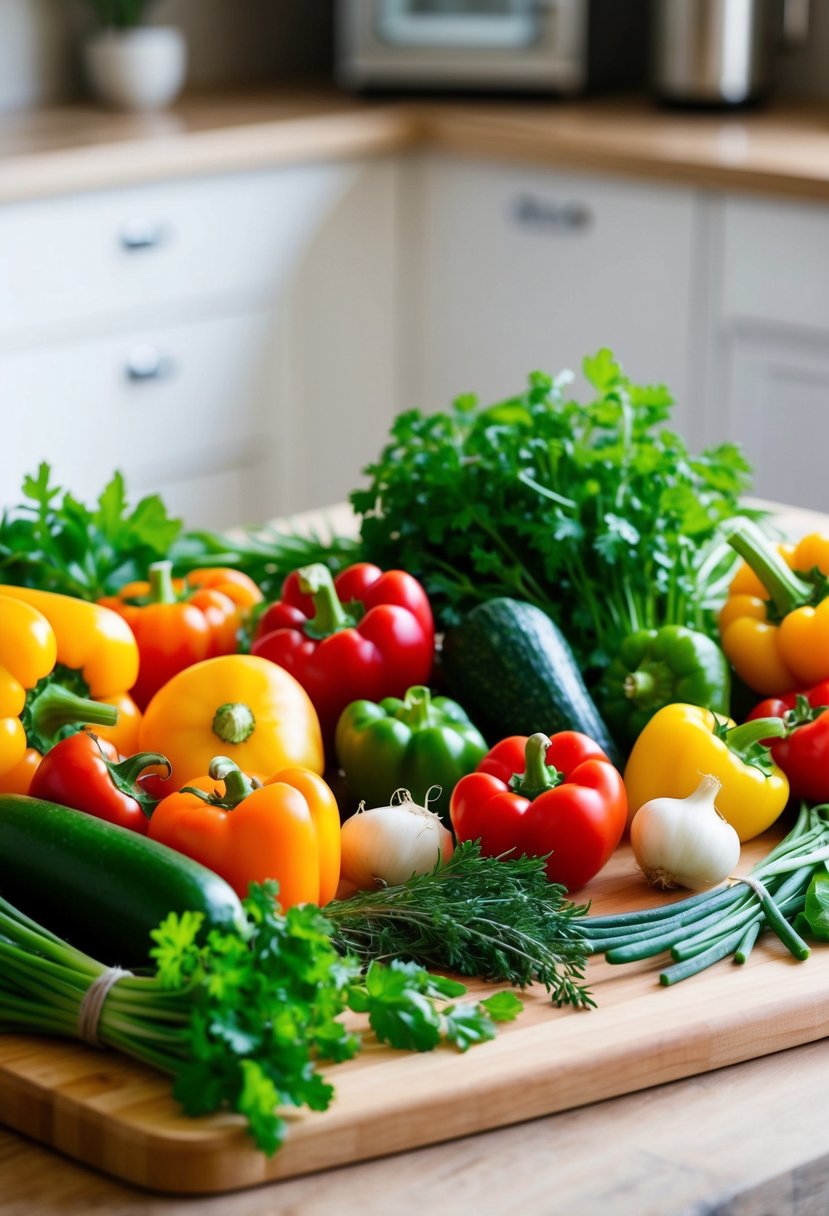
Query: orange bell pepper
287, 829
62, 662
178, 622
251, 709
774, 626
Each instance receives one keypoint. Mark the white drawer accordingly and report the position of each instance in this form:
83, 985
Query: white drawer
776, 262
158, 405
69, 259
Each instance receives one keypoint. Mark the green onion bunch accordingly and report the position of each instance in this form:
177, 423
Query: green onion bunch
711, 926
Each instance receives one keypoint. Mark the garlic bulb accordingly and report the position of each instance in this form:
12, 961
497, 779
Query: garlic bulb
390, 844
685, 842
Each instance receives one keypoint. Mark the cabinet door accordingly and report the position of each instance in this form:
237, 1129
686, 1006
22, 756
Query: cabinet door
523, 269
69, 262
777, 409
339, 380
173, 408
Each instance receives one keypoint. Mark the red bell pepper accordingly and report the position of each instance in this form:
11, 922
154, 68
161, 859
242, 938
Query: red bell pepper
537, 796
362, 636
77, 773
802, 753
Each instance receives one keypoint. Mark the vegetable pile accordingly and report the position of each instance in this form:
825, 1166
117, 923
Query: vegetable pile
285, 779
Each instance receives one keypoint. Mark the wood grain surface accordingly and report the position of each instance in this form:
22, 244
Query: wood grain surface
780, 150
120, 1117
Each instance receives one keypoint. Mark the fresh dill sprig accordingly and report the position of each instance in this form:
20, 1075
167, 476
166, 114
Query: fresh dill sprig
497, 918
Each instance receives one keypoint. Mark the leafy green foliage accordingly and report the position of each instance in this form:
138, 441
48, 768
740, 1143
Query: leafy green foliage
266, 1007
55, 542
120, 14
813, 921
596, 512
498, 918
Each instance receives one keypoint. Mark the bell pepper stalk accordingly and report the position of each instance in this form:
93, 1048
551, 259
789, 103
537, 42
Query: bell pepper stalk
364, 635
774, 626
237, 705
64, 663
657, 667
178, 622
77, 772
803, 752
286, 829
681, 741
560, 798
415, 743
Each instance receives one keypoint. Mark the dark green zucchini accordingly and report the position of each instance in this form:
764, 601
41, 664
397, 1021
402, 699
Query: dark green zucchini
514, 673
100, 886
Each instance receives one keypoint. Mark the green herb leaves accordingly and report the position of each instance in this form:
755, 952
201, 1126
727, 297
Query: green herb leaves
54, 542
594, 511
493, 917
265, 1008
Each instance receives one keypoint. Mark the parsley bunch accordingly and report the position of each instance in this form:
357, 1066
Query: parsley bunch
594, 511
55, 542
241, 1021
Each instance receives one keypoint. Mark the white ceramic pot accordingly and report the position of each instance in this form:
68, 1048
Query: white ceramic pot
137, 69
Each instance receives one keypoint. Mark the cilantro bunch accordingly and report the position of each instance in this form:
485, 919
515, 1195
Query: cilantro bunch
594, 511
240, 1020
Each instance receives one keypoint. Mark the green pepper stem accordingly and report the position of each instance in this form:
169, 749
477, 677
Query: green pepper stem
329, 614
237, 784
234, 722
125, 775
55, 707
418, 702
127, 772
638, 684
786, 590
160, 575
538, 776
740, 739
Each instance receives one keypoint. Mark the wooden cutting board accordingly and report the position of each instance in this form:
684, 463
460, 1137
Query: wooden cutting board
118, 1116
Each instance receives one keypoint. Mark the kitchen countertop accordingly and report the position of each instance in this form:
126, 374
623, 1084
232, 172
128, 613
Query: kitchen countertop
782, 150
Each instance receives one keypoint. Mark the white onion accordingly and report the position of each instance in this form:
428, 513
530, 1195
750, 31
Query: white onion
685, 842
390, 844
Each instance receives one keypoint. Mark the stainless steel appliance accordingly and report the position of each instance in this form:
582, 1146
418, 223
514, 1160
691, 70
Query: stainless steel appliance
722, 52
551, 46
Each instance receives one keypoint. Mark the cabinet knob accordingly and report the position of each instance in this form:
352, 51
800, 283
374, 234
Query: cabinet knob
147, 362
137, 234
544, 215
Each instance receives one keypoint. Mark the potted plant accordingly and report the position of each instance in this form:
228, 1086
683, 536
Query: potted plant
130, 65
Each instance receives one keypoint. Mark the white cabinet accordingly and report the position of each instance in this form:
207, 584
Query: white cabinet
225, 341
769, 334
522, 269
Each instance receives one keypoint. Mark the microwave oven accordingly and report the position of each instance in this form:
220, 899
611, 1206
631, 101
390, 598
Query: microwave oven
532, 46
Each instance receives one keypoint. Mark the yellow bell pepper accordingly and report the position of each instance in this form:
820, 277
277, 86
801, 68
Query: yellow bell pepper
241, 706
56, 653
682, 743
774, 626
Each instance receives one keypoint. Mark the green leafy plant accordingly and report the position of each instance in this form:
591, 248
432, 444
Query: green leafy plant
120, 14
495, 917
594, 511
241, 1020
55, 542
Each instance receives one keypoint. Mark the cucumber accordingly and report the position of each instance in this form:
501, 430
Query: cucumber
514, 673
100, 886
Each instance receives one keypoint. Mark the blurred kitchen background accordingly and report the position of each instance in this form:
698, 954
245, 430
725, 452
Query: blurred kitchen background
227, 282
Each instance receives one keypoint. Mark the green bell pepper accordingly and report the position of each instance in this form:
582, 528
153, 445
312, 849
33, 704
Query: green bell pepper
657, 667
415, 744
